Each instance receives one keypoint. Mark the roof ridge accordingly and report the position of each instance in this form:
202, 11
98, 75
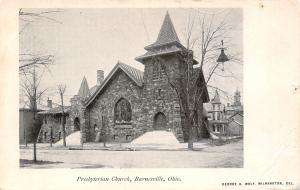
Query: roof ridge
133, 73
122, 63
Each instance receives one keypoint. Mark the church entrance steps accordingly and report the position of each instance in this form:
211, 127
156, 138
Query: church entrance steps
71, 140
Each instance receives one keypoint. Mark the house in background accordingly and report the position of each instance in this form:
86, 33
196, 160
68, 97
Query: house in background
236, 107
53, 117
225, 120
216, 116
235, 125
27, 130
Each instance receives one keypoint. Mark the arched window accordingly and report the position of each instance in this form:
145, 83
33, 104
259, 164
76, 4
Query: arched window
122, 112
76, 124
156, 70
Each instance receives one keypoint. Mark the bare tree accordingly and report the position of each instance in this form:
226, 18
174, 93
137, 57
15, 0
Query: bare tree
102, 131
189, 83
31, 69
30, 84
61, 90
27, 17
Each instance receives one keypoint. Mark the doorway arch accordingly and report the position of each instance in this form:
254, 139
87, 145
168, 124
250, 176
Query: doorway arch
160, 121
76, 124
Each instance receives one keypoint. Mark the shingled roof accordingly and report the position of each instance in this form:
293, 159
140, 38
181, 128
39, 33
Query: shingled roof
167, 33
134, 74
167, 41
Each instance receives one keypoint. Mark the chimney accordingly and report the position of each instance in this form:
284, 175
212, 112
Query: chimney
100, 77
49, 103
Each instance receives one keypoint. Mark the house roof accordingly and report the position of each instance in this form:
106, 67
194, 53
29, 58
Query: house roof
84, 90
56, 110
134, 74
167, 33
216, 99
238, 118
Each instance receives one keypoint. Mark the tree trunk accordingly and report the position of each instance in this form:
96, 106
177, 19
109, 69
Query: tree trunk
34, 150
190, 141
191, 134
64, 134
25, 135
51, 137
63, 119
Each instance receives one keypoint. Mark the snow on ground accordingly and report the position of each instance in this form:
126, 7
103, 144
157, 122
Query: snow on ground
157, 140
71, 140
161, 140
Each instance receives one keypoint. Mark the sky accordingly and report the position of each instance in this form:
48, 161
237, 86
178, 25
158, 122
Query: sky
83, 41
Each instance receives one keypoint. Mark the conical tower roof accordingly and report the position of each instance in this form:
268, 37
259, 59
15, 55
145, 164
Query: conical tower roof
167, 41
167, 33
84, 90
216, 98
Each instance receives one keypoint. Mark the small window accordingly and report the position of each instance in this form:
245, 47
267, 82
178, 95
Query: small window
159, 92
128, 137
116, 137
155, 71
45, 135
218, 128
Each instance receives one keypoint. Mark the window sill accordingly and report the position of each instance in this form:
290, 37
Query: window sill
123, 126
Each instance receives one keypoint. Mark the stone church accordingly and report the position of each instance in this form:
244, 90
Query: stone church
128, 102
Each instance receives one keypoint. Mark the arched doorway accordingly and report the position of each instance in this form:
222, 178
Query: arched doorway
160, 121
76, 124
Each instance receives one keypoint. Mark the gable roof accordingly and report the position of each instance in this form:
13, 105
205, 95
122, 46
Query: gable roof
84, 90
134, 74
238, 118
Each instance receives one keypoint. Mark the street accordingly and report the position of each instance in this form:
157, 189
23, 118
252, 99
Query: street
224, 156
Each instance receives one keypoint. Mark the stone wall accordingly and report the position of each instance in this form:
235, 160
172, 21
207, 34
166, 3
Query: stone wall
100, 113
155, 96
54, 122
164, 101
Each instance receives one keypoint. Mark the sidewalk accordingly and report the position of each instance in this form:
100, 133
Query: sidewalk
119, 147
